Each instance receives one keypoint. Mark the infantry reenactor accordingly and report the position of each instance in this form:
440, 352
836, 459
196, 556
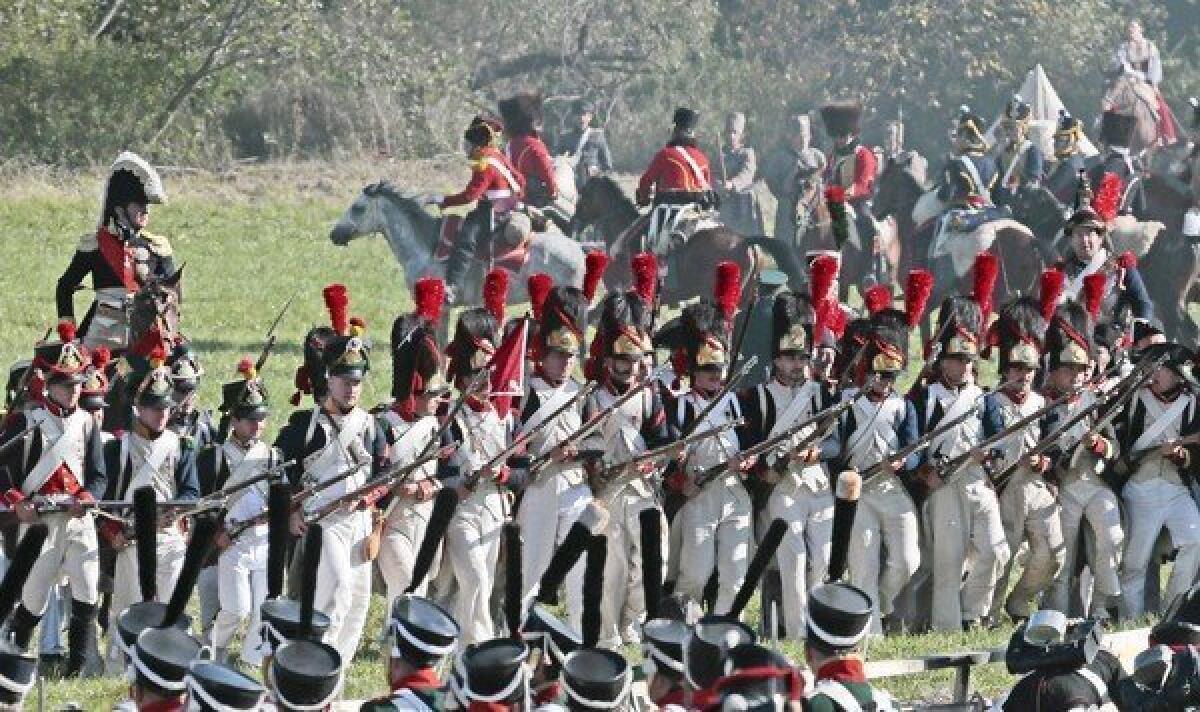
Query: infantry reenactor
410, 424
970, 174
1079, 463
338, 441
496, 188
792, 170
493, 673
851, 165
798, 481
1089, 252
713, 526
473, 537
585, 144
740, 210
284, 619
838, 624
678, 177
120, 255
1019, 158
629, 494
421, 634
242, 565
1068, 158
1116, 133
759, 677
54, 460
662, 658
212, 687
148, 455
94, 393
975, 540
1154, 460
1028, 505
554, 498
1062, 666
550, 641
880, 422
191, 423
705, 650
595, 679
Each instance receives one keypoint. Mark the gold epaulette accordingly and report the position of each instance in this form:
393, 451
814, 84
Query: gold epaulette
158, 244
479, 165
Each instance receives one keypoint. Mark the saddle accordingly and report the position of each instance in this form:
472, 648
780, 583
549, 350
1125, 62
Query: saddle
506, 247
670, 225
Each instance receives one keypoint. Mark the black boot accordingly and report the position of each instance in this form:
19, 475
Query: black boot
81, 636
21, 626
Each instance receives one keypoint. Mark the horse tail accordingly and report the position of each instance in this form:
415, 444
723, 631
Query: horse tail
783, 252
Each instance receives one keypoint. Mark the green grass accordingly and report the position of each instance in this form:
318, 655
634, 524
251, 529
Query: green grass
250, 241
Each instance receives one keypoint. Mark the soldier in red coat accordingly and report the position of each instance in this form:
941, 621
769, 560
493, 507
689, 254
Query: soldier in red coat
678, 176
526, 150
496, 188
851, 165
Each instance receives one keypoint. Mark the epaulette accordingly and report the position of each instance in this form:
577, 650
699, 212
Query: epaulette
479, 165
158, 244
88, 243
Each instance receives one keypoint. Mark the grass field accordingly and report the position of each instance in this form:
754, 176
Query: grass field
250, 240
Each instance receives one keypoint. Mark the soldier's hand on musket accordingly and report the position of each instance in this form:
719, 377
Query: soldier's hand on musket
1175, 452
928, 475
980, 457
76, 509
26, 511
1038, 463
409, 490
809, 455
646, 468
564, 453
297, 524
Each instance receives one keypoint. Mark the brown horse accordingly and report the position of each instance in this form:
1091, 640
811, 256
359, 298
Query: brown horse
605, 208
1171, 269
897, 191
1128, 95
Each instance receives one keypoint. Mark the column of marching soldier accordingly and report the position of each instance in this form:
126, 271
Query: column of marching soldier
657, 497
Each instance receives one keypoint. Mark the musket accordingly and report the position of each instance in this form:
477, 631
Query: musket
217, 500
734, 378
390, 479
721, 160
826, 418
1115, 400
12, 442
669, 451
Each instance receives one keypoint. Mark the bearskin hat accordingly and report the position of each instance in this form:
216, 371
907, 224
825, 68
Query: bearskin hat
851, 349
474, 342
792, 321
522, 113
959, 324
696, 338
887, 345
1117, 129
1069, 337
1019, 332
842, 118
623, 328
416, 359
564, 321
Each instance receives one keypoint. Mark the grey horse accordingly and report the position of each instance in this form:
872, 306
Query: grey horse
412, 233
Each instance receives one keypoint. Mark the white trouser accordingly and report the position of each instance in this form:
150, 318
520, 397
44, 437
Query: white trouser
624, 602
548, 508
403, 533
962, 520
241, 588
885, 546
806, 504
473, 549
714, 532
1094, 502
71, 549
1151, 505
344, 579
209, 597
170, 547
1030, 513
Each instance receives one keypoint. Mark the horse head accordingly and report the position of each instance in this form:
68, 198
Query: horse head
597, 198
898, 190
363, 217
157, 304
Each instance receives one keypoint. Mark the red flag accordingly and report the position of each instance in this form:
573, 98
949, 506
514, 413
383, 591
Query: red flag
508, 368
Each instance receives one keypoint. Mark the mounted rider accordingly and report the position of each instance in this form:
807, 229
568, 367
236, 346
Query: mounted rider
120, 255
527, 153
851, 165
496, 188
790, 170
585, 144
1019, 159
678, 181
1069, 159
1116, 131
967, 182
739, 171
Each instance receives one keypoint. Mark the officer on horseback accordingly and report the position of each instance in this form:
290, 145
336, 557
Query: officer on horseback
677, 178
790, 170
739, 170
1019, 159
496, 188
120, 255
969, 175
527, 153
851, 165
1068, 158
1116, 131
586, 145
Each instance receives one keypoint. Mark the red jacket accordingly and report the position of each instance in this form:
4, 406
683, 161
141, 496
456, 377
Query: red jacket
856, 174
670, 172
531, 158
487, 180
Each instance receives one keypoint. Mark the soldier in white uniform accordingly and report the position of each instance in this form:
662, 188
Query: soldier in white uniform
410, 423
630, 493
884, 550
472, 546
242, 564
1156, 463
553, 501
961, 518
798, 481
1028, 506
149, 455
713, 526
58, 462
337, 440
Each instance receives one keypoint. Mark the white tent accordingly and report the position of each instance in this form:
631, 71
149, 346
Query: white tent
1044, 101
